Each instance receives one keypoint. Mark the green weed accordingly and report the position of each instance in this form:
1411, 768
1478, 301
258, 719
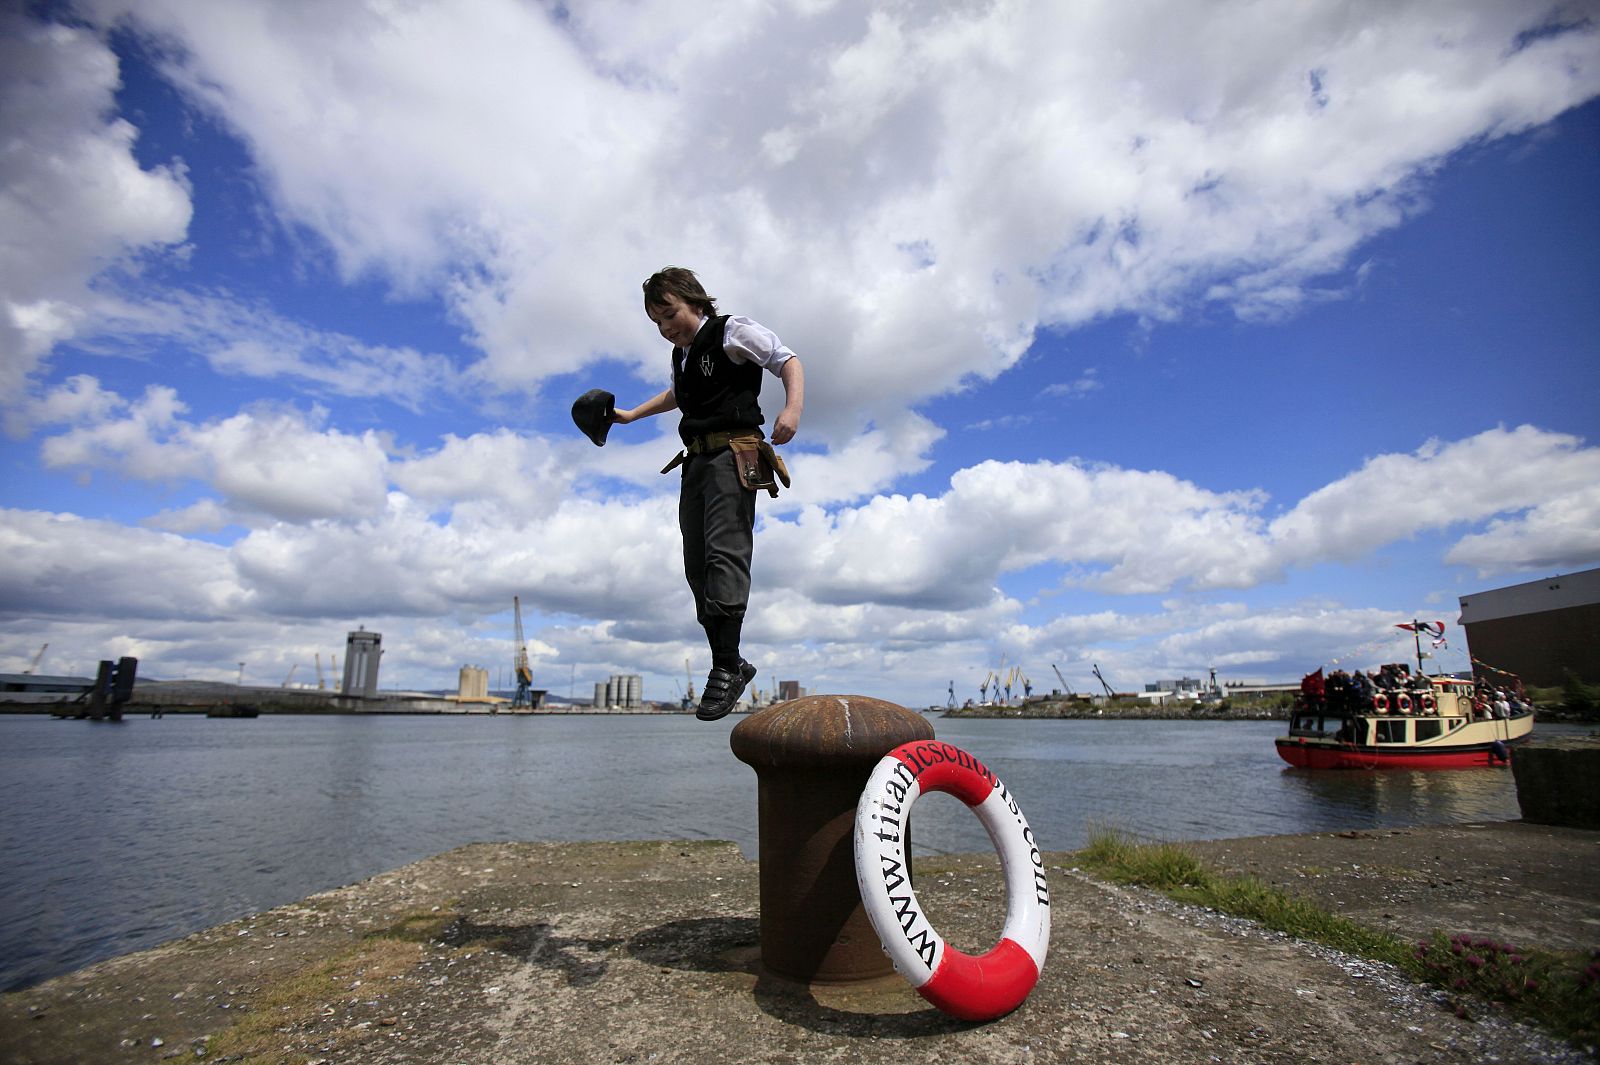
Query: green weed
1559, 991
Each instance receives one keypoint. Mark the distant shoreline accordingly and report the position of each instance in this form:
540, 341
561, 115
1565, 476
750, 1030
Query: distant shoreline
1077, 710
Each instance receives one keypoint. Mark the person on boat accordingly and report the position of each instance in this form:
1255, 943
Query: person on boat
1312, 689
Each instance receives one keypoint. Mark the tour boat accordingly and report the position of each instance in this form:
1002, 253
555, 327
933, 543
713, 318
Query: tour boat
1429, 725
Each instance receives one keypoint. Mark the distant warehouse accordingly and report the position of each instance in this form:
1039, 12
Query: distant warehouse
1538, 630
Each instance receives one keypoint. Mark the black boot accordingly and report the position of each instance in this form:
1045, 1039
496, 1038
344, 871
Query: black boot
722, 691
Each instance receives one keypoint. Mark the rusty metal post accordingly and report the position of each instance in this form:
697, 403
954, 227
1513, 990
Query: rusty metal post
812, 757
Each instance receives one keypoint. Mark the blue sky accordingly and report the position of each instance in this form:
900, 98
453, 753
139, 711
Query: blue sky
1135, 334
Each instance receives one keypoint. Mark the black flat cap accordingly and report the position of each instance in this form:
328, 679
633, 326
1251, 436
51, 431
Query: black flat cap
591, 412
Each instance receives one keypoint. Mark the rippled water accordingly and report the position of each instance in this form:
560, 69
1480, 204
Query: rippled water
117, 837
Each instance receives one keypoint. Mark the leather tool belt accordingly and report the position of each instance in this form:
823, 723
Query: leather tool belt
758, 465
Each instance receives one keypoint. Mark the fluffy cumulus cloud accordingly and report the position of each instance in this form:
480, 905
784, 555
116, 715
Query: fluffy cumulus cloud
63, 566
264, 464
912, 190
888, 583
1538, 486
909, 192
74, 202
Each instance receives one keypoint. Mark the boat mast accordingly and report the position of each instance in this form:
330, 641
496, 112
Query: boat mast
1416, 637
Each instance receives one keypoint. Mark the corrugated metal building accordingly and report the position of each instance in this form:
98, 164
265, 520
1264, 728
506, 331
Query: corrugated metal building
1538, 630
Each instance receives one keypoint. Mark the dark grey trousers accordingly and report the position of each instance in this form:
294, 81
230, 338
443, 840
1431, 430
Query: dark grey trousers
717, 516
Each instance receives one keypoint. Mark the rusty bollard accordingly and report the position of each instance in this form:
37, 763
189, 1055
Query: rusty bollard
812, 758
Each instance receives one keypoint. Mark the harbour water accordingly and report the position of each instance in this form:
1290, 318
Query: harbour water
117, 837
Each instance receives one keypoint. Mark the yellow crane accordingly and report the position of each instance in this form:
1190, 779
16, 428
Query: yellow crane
519, 661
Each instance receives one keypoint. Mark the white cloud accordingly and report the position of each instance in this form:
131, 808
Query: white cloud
279, 463
1138, 532
63, 566
239, 338
130, 437
74, 201
267, 462
1449, 485
526, 475
904, 193
1560, 533
908, 585
1088, 381
343, 524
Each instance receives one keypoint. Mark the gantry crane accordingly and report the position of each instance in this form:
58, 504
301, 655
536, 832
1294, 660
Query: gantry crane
519, 660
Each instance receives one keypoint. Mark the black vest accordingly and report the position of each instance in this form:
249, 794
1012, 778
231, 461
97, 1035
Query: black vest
714, 393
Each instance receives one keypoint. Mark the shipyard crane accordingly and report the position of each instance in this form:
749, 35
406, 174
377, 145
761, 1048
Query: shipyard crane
34, 666
290, 677
519, 660
1109, 693
1064, 685
322, 685
950, 702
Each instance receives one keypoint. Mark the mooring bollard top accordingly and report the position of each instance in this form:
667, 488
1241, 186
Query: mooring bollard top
826, 731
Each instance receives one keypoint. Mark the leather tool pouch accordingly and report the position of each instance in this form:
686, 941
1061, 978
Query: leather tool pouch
750, 459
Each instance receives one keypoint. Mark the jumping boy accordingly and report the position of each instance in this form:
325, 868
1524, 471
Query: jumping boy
716, 382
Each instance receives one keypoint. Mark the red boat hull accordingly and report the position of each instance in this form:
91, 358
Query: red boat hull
1311, 754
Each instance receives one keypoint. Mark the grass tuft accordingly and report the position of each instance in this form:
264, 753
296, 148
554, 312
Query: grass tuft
272, 1032
1558, 990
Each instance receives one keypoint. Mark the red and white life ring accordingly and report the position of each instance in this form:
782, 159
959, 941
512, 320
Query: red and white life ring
1380, 703
1403, 702
1428, 704
971, 988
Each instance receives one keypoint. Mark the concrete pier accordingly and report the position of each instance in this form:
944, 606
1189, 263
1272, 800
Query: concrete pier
1558, 781
512, 953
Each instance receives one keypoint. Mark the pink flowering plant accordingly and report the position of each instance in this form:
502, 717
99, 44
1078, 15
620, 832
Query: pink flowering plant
1558, 990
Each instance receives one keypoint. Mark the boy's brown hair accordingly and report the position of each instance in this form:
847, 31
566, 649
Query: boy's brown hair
679, 282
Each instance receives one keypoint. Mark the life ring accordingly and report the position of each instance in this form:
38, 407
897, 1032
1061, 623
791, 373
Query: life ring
1380, 703
1428, 704
1403, 703
971, 988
